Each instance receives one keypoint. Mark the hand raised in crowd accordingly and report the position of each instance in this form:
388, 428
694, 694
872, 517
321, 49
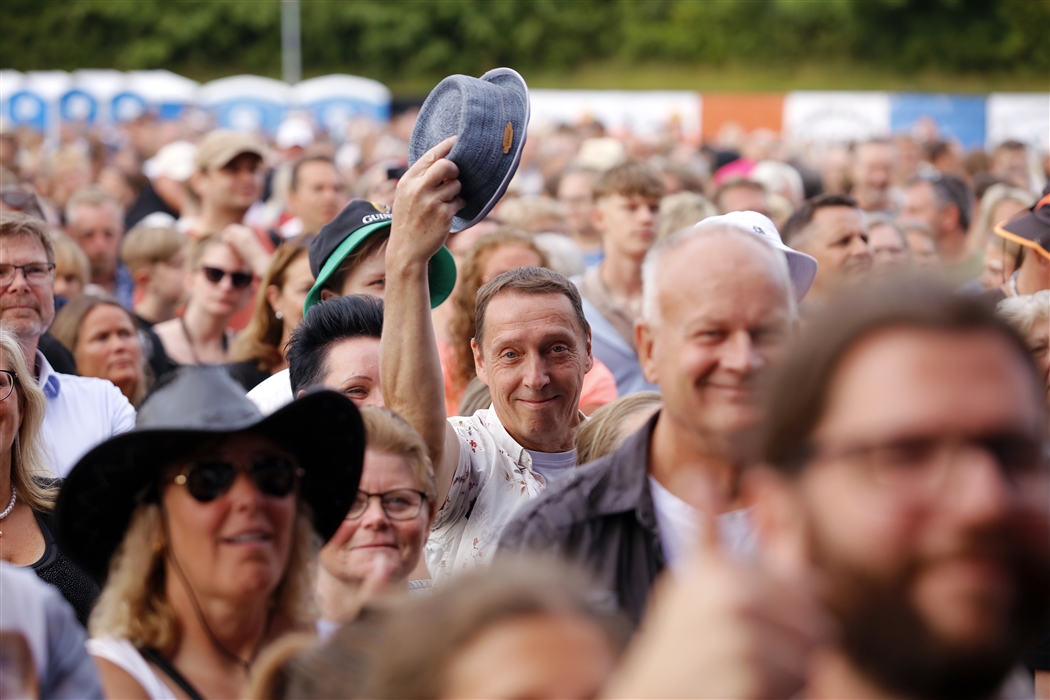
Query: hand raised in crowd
723, 629
427, 198
243, 240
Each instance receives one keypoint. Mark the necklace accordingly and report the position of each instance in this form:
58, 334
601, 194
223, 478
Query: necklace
10, 506
189, 340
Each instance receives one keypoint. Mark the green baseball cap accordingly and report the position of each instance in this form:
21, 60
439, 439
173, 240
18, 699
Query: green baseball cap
343, 235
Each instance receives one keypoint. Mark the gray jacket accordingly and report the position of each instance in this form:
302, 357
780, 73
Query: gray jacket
602, 519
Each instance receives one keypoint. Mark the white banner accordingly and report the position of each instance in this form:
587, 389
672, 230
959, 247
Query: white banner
1021, 116
836, 117
641, 112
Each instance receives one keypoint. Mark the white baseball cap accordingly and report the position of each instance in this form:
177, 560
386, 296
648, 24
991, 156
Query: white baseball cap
176, 160
802, 267
294, 131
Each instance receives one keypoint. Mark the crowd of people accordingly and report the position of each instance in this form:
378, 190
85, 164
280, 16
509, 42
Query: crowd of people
333, 415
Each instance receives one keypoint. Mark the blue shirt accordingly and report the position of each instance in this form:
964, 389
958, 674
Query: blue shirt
609, 346
81, 413
123, 286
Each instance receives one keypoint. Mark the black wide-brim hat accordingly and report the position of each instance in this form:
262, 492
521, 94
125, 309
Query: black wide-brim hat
323, 430
489, 115
1031, 230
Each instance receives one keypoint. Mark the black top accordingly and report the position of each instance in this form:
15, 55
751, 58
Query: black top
57, 355
153, 349
247, 374
148, 202
53, 567
602, 518
1040, 658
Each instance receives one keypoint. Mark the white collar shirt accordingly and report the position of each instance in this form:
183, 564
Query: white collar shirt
81, 413
494, 478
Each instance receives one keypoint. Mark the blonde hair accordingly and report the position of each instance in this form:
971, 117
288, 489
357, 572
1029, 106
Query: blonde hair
70, 256
147, 245
681, 210
261, 339
28, 466
603, 432
1022, 312
993, 197
134, 603
386, 431
531, 214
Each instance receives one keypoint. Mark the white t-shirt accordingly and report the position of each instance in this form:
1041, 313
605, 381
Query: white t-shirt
272, 393
680, 527
552, 466
122, 653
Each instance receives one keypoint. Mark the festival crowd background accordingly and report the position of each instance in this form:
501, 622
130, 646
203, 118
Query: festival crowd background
263, 258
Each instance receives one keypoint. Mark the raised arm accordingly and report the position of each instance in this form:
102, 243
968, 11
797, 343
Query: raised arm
426, 200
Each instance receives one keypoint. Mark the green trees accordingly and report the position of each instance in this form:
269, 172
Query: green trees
398, 40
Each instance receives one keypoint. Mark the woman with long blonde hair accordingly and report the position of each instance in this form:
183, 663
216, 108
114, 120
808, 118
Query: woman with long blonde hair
27, 489
205, 521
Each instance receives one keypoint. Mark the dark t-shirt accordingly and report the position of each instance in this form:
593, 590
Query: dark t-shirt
247, 373
1040, 658
55, 568
148, 202
153, 349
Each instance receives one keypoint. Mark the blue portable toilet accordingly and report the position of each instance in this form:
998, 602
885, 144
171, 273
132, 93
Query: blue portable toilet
248, 103
165, 94
11, 82
332, 100
35, 104
168, 94
88, 100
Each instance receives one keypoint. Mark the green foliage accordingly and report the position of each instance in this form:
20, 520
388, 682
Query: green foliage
414, 41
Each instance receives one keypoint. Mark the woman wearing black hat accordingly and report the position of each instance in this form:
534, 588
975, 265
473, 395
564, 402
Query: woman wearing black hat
207, 508
27, 495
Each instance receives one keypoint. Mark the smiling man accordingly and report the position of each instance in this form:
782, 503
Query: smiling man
719, 306
532, 348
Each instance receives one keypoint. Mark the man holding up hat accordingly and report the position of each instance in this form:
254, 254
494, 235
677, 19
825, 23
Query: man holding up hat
532, 346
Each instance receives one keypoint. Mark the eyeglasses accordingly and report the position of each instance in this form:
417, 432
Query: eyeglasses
923, 466
35, 273
399, 504
240, 280
207, 479
7, 383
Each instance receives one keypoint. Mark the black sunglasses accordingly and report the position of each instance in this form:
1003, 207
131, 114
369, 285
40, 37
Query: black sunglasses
240, 279
207, 479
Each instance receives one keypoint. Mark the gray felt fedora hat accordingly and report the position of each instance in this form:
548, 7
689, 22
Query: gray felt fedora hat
490, 115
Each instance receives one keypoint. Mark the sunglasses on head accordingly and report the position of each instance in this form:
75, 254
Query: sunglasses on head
207, 479
240, 280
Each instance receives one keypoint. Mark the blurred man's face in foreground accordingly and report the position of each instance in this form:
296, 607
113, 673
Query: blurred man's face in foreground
926, 509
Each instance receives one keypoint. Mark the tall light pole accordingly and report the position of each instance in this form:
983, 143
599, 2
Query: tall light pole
291, 59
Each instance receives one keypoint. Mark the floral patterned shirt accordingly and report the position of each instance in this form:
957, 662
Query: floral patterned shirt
493, 478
